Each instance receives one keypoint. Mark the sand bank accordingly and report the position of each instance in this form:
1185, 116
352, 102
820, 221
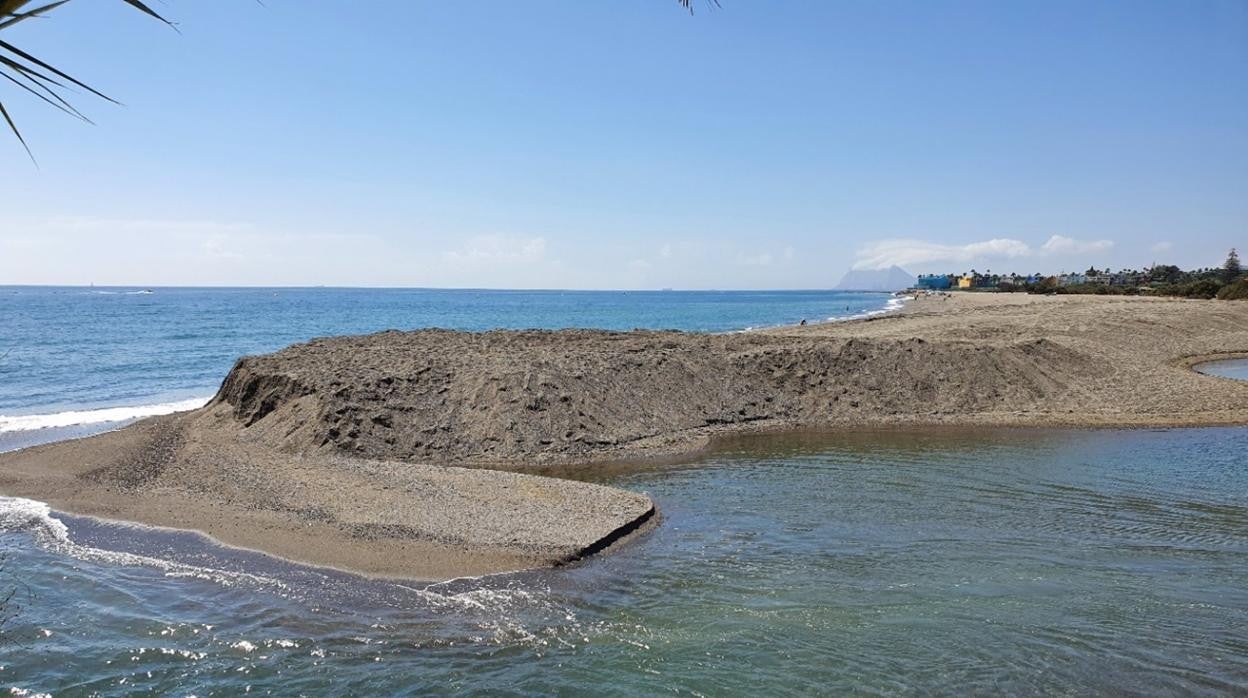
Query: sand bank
340, 451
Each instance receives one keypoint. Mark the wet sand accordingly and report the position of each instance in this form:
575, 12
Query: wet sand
344, 452
377, 518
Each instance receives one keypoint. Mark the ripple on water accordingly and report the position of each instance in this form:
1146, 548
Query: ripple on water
1012, 562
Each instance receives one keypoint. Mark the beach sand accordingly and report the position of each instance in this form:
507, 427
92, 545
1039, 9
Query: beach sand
338, 452
1145, 348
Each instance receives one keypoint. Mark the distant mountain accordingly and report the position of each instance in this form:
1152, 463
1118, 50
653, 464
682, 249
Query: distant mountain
893, 278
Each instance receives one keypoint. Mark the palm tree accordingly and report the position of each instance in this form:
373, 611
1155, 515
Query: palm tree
50, 84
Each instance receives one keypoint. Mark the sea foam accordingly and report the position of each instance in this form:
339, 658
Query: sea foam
893, 305
109, 414
502, 607
50, 533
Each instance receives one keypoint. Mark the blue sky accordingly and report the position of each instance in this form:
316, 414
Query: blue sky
622, 144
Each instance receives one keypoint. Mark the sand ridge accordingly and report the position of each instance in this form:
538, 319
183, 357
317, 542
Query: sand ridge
347, 451
522, 399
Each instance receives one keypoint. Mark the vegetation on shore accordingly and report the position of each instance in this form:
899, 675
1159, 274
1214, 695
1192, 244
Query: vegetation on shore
1237, 291
1226, 282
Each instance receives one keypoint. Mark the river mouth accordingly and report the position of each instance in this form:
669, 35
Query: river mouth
1014, 561
1224, 368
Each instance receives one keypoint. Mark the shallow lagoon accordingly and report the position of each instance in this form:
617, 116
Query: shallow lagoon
1010, 561
1230, 368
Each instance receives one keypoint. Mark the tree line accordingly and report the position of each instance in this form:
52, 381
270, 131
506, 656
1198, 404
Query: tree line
1227, 282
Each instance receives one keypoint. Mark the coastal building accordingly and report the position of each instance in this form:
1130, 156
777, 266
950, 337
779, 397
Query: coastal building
1020, 280
966, 282
933, 282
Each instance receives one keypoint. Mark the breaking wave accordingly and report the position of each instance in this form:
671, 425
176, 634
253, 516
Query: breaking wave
32, 422
50, 533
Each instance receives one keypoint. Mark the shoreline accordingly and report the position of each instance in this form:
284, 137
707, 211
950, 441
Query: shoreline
378, 520
894, 304
641, 527
257, 469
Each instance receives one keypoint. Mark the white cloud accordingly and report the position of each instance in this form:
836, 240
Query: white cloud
81, 249
910, 252
135, 227
756, 260
1060, 244
499, 250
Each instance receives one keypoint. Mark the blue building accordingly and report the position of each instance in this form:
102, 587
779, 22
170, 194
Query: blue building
933, 282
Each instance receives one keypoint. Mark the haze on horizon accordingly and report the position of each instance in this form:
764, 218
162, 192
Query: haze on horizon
569, 144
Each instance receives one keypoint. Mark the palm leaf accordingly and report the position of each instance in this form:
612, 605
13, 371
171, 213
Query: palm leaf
13, 127
46, 94
688, 4
36, 76
19, 16
31, 59
147, 10
8, 7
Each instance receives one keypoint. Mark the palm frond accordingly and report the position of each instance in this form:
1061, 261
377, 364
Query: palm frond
688, 4
20, 16
37, 77
8, 7
146, 10
8, 119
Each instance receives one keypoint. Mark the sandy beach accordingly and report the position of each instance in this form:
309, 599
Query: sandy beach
386, 454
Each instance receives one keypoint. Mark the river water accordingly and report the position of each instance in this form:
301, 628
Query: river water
896, 562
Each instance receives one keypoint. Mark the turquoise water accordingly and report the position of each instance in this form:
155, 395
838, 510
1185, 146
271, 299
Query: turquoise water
955, 562
1047, 562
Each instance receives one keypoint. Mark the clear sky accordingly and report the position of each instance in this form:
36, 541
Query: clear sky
626, 144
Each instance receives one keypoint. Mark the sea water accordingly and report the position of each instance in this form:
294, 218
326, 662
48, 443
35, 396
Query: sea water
888, 562
153, 350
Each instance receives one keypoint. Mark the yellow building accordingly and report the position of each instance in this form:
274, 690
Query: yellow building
966, 282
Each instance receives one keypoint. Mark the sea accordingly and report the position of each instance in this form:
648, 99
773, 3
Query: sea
887, 562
